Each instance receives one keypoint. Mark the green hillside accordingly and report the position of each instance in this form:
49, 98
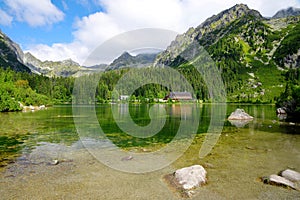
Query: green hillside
252, 53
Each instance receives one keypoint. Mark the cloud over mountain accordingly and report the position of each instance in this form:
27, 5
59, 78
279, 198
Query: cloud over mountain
119, 16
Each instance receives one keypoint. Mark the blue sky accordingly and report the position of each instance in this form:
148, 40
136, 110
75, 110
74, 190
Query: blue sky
63, 29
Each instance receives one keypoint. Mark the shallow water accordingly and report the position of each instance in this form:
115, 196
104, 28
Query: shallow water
88, 160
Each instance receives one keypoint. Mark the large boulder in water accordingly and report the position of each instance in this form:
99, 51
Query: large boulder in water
184, 180
239, 114
191, 177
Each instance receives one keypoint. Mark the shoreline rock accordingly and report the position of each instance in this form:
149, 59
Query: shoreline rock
33, 108
281, 111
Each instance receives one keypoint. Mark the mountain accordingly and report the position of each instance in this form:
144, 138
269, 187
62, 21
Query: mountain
50, 68
289, 12
127, 60
251, 51
11, 55
63, 68
212, 24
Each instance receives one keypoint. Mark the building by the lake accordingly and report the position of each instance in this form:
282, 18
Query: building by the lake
178, 96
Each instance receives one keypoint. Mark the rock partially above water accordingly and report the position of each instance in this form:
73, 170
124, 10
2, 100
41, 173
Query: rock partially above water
278, 180
184, 180
288, 178
54, 162
290, 175
191, 177
281, 111
239, 114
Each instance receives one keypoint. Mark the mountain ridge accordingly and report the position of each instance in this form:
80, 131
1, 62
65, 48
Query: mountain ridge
126, 60
251, 51
213, 23
11, 55
289, 12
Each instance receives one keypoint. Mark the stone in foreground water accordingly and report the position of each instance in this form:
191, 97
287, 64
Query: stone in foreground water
291, 175
288, 178
191, 177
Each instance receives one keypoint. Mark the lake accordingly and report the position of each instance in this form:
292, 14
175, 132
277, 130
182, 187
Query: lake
122, 151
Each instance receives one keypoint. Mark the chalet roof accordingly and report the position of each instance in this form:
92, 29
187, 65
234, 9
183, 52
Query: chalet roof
180, 95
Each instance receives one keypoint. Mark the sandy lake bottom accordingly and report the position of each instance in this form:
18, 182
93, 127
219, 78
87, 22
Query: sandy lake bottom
234, 167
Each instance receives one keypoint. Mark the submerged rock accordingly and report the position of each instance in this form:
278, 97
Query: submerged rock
239, 114
127, 158
191, 177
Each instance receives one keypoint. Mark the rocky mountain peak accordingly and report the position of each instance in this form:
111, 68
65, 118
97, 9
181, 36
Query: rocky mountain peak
125, 55
291, 11
70, 62
137, 61
213, 23
50, 68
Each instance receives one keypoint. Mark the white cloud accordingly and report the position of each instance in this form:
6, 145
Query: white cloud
124, 15
35, 13
5, 19
95, 28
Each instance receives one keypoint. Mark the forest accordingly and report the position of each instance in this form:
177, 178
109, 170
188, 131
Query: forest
290, 98
32, 89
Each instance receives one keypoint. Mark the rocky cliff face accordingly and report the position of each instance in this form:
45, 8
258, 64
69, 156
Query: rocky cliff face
11, 55
212, 24
287, 13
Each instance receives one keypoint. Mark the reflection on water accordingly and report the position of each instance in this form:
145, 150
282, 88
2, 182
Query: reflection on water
240, 123
235, 158
27, 130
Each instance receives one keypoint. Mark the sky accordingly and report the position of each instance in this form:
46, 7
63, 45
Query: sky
71, 29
